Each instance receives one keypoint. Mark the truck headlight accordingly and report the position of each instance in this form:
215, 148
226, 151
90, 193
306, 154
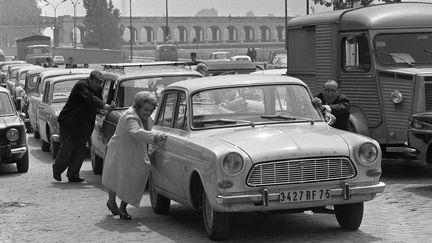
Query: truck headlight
396, 96
233, 163
367, 153
12, 134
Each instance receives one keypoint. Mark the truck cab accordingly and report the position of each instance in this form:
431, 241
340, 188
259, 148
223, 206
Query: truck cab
380, 55
37, 54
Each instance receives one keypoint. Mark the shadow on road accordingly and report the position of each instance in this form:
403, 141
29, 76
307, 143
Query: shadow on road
405, 171
251, 227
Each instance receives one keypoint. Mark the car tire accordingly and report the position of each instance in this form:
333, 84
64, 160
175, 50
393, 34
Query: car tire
215, 223
96, 161
36, 134
45, 147
55, 146
23, 163
159, 203
349, 216
28, 128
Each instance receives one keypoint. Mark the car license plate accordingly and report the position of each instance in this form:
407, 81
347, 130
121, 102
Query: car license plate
304, 195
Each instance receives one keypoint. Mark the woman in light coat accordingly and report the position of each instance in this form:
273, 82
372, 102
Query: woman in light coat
127, 165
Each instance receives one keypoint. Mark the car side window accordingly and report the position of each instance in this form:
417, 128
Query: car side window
180, 121
46, 92
107, 91
355, 53
167, 112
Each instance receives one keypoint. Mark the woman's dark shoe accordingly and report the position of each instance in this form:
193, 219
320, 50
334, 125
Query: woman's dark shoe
125, 216
75, 179
114, 211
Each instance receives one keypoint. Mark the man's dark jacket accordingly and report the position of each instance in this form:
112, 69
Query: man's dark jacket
77, 117
340, 108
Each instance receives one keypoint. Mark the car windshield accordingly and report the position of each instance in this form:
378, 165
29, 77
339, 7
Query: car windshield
128, 88
252, 105
61, 90
5, 104
405, 48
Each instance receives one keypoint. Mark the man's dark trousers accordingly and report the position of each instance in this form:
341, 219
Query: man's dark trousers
71, 154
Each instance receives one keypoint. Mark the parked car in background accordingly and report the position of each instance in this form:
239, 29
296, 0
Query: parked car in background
36, 98
121, 87
54, 98
220, 56
20, 82
29, 89
255, 143
59, 60
241, 58
13, 79
13, 138
166, 52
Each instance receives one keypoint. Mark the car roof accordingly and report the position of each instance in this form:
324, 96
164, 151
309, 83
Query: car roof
28, 68
4, 90
39, 70
68, 77
276, 71
233, 80
11, 62
139, 70
62, 71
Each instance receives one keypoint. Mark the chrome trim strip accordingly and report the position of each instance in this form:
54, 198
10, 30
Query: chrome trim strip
19, 150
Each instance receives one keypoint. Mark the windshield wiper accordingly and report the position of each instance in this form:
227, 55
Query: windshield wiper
284, 117
428, 51
226, 121
398, 57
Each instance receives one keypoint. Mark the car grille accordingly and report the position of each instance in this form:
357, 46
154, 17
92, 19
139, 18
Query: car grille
300, 171
428, 95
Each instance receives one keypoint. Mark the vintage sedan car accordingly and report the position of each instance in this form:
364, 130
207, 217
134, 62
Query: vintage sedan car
122, 82
36, 98
54, 98
13, 138
220, 56
59, 60
255, 143
277, 59
241, 58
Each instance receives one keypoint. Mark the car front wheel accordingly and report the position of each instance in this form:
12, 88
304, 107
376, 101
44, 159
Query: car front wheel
216, 224
159, 203
23, 163
349, 216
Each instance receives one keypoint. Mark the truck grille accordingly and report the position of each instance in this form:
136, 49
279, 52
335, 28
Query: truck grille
300, 171
428, 95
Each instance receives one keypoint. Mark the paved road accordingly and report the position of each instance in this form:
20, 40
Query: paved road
35, 208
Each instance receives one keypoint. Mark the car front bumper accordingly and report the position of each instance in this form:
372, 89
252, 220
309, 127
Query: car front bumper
266, 200
8, 154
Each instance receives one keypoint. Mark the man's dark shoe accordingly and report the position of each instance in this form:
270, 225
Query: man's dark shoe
75, 179
57, 176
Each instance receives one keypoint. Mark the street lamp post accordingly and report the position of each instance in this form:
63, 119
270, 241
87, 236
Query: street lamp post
167, 31
55, 18
74, 39
130, 28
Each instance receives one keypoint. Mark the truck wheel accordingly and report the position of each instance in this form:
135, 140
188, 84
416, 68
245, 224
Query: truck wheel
216, 224
159, 203
45, 147
23, 163
96, 161
349, 216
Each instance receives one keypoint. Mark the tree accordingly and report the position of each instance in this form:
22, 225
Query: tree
18, 7
344, 4
102, 24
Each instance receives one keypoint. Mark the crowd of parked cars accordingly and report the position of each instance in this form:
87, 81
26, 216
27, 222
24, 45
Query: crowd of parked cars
236, 143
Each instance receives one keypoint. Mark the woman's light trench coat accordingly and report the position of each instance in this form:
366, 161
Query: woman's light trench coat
127, 164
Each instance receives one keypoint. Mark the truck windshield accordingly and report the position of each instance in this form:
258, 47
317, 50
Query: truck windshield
405, 48
38, 50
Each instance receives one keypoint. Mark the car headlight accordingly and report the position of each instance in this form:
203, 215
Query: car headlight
12, 134
417, 124
367, 153
396, 96
233, 163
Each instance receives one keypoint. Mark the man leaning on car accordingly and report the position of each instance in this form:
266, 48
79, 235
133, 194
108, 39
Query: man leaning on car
331, 101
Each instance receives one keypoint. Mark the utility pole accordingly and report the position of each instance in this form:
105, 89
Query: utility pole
167, 31
55, 35
101, 25
74, 39
130, 29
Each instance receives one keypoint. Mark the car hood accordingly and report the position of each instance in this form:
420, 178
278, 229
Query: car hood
283, 142
7, 121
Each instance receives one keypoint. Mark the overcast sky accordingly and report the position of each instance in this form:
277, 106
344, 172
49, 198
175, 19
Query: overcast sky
191, 7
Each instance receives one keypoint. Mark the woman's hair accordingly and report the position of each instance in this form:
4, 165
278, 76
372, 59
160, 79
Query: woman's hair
143, 97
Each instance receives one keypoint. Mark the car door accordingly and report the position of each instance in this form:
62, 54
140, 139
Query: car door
43, 113
97, 138
167, 168
33, 107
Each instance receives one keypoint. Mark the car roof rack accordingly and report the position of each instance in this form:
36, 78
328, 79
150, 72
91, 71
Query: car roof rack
121, 66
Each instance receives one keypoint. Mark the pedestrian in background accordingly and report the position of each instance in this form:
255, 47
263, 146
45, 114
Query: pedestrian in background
48, 62
127, 164
331, 101
253, 54
203, 69
77, 120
